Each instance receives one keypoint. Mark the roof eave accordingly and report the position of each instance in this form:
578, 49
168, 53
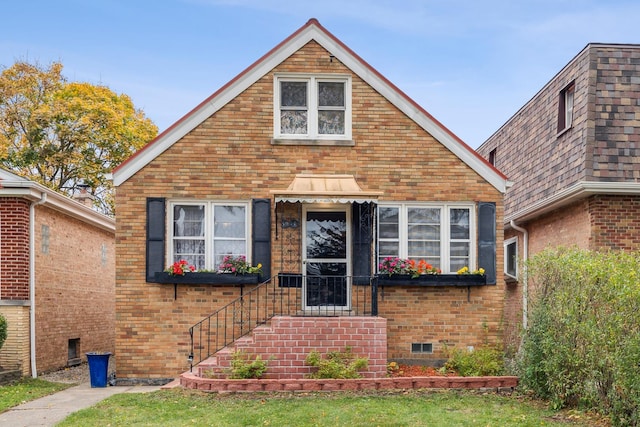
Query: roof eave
578, 191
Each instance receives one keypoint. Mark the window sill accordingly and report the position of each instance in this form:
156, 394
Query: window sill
433, 280
316, 142
208, 279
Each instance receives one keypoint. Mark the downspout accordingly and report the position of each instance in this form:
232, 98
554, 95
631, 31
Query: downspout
32, 283
525, 281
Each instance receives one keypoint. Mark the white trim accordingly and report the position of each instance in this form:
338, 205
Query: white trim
580, 190
312, 81
445, 240
33, 191
255, 72
507, 243
209, 206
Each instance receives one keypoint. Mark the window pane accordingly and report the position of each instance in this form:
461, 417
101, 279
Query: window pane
511, 255
460, 249
459, 219
223, 248
388, 215
330, 94
457, 263
293, 94
426, 232
419, 249
293, 122
190, 250
331, 122
229, 221
389, 249
424, 215
388, 231
188, 220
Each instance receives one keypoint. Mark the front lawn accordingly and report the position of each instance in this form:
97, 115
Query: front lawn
181, 407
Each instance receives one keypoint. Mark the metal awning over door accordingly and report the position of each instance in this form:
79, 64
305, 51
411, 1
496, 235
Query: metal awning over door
317, 188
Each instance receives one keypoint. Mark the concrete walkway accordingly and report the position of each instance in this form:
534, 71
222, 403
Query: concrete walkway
49, 410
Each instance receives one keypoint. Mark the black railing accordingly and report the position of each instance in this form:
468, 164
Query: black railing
282, 295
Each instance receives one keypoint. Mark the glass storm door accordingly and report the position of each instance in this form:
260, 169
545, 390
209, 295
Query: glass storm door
326, 258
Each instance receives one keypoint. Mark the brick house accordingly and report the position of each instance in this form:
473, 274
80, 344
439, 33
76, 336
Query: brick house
313, 164
573, 155
57, 279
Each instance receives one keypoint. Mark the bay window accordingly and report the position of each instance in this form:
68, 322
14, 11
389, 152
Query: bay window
441, 235
203, 233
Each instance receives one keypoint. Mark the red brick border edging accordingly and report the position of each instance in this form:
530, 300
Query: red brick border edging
189, 380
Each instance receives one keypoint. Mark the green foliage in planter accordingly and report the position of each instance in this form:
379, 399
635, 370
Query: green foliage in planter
242, 367
3, 330
336, 364
481, 361
582, 347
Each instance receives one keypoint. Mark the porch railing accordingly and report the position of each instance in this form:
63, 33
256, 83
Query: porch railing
282, 295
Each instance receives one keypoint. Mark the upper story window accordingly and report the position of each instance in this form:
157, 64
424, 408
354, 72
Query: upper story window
565, 107
511, 257
312, 107
442, 235
202, 233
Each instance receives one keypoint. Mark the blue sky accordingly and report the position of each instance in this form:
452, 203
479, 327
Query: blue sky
470, 63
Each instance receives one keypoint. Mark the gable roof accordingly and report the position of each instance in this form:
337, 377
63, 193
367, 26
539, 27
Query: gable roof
312, 30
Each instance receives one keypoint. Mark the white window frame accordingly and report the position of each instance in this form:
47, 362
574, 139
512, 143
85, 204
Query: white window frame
445, 234
312, 81
209, 237
507, 243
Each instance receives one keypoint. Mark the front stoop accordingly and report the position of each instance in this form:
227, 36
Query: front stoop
191, 381
286, 341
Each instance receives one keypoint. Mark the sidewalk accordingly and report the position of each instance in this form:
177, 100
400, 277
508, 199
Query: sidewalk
49, 410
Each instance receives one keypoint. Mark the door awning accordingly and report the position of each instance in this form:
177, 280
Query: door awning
312, 188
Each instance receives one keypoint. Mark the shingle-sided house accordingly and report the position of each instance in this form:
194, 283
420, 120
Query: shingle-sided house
57, 281
314, 165
573, 155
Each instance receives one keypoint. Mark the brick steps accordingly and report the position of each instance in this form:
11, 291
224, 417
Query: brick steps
286, 341
192, 381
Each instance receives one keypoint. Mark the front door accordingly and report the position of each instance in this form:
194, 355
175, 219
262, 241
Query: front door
327, 253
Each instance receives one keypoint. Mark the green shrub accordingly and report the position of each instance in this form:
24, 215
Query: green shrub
242, 367
336, 364
3, 330
582, 347
481, 361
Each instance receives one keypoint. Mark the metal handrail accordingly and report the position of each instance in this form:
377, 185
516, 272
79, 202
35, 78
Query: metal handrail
281, 295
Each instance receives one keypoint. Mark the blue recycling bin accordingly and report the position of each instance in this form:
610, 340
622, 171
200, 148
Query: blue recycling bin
98, 368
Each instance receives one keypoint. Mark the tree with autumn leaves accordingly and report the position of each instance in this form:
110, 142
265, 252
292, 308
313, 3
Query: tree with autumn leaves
65, 135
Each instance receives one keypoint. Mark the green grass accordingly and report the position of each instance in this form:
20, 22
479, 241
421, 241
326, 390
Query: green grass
416, 408
25, 390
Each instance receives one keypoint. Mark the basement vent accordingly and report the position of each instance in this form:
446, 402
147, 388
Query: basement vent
422, 347
74, 352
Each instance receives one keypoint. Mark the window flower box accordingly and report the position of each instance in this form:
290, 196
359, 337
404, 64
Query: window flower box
432, 280
203, 278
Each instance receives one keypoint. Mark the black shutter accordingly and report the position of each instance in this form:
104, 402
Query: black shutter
362, 241
487, 240
155, 236
261, 231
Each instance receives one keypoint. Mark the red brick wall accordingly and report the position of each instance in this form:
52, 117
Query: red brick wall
289, 340
230, 157
615, 222
14, 249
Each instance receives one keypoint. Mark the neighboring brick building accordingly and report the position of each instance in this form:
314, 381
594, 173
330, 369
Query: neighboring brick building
573, 155
57, 280
313, 164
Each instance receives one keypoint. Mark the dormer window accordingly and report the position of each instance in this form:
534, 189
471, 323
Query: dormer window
312, 108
